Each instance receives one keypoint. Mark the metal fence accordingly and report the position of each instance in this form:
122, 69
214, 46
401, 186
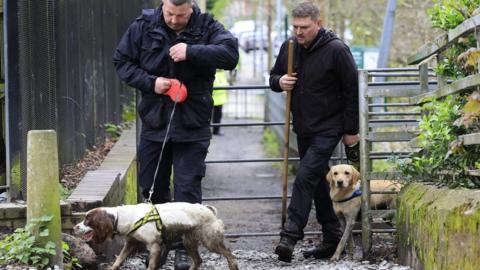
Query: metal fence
60, 75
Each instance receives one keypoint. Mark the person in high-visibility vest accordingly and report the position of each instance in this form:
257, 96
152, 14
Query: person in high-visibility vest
220, 97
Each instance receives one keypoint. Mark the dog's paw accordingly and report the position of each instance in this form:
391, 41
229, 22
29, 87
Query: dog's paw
113, 267
335, 257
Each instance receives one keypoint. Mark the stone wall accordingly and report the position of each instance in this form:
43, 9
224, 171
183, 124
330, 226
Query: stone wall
439, 228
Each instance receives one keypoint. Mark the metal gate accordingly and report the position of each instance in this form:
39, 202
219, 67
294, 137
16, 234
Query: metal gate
246, 101
391, 125
392, 121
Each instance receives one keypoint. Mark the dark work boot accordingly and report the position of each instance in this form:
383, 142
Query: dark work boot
323, 251
289, 237
285, 247
181, 259
331, 236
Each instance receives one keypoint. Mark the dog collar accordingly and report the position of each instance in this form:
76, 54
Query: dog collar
356, 193
151, 216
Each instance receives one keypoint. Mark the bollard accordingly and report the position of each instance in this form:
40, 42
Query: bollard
43, 196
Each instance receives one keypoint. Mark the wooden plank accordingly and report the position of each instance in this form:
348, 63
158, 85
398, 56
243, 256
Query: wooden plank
456, 87
428, 49
452, 173
470, 139
414, 143
467, 27
474, 172
443, 41
390, 136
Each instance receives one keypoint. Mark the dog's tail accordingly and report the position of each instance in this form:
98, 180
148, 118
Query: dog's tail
213, 209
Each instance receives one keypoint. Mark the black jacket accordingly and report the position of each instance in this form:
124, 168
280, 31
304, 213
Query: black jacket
325, 97
143, 55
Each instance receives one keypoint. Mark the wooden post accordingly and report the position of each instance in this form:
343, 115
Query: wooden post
440, 78
286, 145
365, 163
43, 195
423, 72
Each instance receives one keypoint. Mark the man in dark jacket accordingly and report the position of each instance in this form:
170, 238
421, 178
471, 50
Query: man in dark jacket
325, 109
179, 42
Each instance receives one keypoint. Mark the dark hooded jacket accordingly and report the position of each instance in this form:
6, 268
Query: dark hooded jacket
143, 55
325, 96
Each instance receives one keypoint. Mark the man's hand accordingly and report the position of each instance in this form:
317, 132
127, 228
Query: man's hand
178, 52
162, 85
350, 139
288, 82
177, 91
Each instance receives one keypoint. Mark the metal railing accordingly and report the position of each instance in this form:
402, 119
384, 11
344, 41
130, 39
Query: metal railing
378, 129
237, 109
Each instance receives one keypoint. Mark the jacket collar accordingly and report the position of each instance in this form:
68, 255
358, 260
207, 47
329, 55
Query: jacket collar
193, 27
323, 37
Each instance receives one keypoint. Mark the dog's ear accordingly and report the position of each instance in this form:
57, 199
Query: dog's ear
355, 176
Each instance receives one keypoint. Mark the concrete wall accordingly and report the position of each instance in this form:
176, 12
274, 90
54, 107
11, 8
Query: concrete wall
114, 182
439, 228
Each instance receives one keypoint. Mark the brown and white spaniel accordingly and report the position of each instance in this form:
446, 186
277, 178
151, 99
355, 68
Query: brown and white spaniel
193, 222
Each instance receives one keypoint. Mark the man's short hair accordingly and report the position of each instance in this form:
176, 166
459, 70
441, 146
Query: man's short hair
306, 9
180, 2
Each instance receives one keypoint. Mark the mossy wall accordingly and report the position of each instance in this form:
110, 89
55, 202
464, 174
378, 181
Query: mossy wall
16, 178
130, 185
439, 228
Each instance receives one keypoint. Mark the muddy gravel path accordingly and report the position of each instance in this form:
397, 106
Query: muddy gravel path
243, 180
261, 216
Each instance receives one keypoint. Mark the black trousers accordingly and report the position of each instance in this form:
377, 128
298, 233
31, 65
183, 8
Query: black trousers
187, 159
217, 117
310, 184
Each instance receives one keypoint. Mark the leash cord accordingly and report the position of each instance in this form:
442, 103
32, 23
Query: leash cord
149, 200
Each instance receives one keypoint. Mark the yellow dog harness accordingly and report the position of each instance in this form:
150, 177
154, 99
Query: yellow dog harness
151, 216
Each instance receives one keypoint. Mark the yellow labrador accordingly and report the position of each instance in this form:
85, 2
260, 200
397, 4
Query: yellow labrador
345, 192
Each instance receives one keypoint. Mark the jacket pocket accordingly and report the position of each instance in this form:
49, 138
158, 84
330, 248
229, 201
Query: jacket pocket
153, 112
197, 111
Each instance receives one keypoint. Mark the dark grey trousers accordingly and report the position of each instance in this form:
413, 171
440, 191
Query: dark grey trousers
310, 184
188, 162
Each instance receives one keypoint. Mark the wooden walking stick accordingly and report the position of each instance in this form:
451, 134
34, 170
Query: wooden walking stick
287, 136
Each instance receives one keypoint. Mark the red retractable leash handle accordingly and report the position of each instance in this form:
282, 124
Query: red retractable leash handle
177, 91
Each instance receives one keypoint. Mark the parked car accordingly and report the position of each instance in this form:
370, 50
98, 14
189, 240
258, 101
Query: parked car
241, 27
253, 41
277, 41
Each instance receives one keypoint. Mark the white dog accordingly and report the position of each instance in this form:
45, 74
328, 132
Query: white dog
154, 225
